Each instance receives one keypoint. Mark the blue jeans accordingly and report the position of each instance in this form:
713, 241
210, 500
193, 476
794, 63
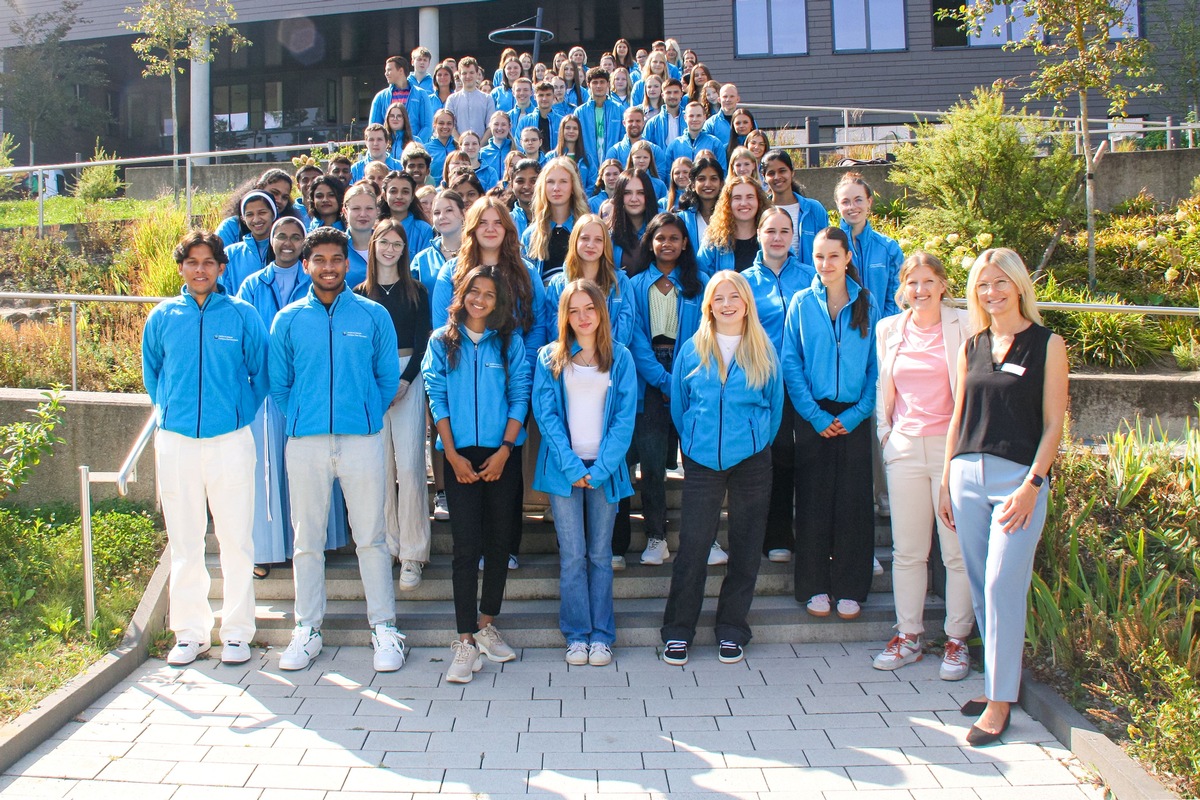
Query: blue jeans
584, 522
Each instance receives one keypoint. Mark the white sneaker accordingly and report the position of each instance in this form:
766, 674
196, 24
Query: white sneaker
184, 653
410, 575
956, 661
235, 653
656, 552
883, 507
819, 605
492, 645
717, 556
902, 649
876, 567
779, 555
441, 511
465, 664
618, 563
389, 648
848, 609
513, 563
599, 654
577, 654
304, 647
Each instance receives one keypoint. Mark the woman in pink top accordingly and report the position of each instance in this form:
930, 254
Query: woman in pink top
918, 352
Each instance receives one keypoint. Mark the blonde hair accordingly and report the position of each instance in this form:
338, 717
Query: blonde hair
1008, 262
539, 237
606, 278
560, 355
755, 352
921, 258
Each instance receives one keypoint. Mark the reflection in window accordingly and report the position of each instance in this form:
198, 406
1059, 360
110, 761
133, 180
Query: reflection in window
770, 27
872, 25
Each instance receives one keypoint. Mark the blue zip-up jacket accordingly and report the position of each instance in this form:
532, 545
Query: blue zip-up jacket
712, 259
493, 154
597, 200
333, 370
301, 212
420, 115
487, 175
338, 224
244, 261
773, 293
650, 372
620, 151
658, 128
813, 217
229, 231
557, 465
204, 367
538, 264
358, 168
688, 215
614, 127
520, 219
425, 83
533, 339
878, 259
477, 395
621, 316
722, 424
826, 359
419, 234
437, 155
259, 291
530, 120
357, 272
686, 146
426, 264
718, 127
515, 113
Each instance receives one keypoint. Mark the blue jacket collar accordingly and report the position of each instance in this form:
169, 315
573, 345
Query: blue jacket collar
852, 289
218, 291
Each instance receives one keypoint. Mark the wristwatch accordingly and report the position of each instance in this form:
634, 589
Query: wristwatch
511, 445
1035, 480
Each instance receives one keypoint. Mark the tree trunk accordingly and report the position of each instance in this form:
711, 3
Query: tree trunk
1089, 177
174, 134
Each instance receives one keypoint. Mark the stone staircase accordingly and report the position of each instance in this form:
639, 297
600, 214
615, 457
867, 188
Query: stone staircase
529, 617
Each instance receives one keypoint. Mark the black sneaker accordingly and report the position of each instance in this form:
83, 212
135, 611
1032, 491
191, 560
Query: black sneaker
675, 653
730, 652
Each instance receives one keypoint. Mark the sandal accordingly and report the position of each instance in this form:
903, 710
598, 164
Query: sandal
261, 571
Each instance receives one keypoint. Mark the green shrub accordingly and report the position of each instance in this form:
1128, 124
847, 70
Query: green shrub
29, 263
101, 182
22, 444
982, 173
148, 258
7, 146
1187, 355
1102, 339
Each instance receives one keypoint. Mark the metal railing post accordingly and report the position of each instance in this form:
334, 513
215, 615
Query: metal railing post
1170, 133
74, 346
85, 525
41, 184
188, 179
846, 125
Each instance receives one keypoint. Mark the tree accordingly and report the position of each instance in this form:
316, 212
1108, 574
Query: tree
1083, 46
41, 73
1179, 63
175, 32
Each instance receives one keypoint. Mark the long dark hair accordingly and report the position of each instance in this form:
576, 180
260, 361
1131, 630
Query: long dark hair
860, 317
689, 272
415, 210
408, 286
690, 199
625, 233
733, 143
781, 155
233, 206
501, 319
336, 186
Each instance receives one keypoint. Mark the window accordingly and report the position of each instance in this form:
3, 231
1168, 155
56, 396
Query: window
1006, 23
1130, 27
770, 27
872, 25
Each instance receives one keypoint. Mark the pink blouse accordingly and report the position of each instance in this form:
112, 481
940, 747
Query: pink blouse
924, 402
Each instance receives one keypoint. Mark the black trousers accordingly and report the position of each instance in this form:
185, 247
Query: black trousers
481, 520
781, 534
748, 484
835, 527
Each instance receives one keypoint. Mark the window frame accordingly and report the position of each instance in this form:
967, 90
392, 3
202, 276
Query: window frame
867, 26
770, 4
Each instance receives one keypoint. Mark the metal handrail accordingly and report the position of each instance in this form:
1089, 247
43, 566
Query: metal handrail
121, 478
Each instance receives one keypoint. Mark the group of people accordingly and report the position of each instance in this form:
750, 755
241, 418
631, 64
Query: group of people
539, 314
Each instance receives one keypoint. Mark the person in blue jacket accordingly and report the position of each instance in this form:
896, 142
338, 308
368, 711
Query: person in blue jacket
590, 257
830, 370
420, 76
522, 100
600, 117
399, 132
666, 286
306, 173
449, 212
324, 203
441, 143
334, 369
635, 126
585, 400
726, 403
558, 200
544, 116
375, 139
399, 191
204, 367
470, 144
731, 238
878, 257
502, 95
775, 277
699, 199
606, 183
360, 212
400, 90
808, 215
276, 183
641, 156
499, 144
269, 290
253, 252
694, 139
634, 205
478, 389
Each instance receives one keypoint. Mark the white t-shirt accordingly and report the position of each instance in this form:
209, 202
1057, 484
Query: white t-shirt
793, 210
361, 253
475, 337
587, 391
728, 344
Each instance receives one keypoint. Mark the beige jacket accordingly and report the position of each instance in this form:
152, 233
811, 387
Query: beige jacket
888, 335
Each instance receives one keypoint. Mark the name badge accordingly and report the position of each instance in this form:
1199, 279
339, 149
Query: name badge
1014, 369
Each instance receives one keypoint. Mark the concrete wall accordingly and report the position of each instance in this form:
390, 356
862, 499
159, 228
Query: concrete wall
97, 430
147, 183
1099, 403
1166, 174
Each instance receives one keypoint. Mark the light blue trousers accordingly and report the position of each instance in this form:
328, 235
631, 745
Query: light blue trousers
999, 565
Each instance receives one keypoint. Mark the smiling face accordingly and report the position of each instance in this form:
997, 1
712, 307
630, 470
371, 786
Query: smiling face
779, 178
361, 213
512, 70
667, 245
327, 266
854, 204
399, 195
589, 245
775, 234
694, 115
729, 98
681, 175
522, 91
447, 216
708, 184
286, 241
996, 291
281, 190
443, 126
258, 216
582, 315
635, 198
480, 300
418, 168
635, 123
524, 183
743, 202
200, 270
727, 309
305, 179
341, 171
923, 289
830, 258
325, 202
388, 246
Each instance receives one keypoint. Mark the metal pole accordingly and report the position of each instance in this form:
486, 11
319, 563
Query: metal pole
846, 125
189, 191
537, 37
74, 346
85, 525
41, 184
1170, 133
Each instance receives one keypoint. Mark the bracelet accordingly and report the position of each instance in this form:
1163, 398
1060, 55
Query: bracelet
508, 444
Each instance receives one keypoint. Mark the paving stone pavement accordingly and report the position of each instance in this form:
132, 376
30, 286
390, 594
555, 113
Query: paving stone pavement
790, 722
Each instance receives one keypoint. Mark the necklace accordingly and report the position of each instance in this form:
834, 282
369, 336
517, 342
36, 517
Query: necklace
387, 290
448, 253
585, 362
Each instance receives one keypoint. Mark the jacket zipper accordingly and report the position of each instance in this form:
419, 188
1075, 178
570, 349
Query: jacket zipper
200, 401
476, 356
330, 312
721, 424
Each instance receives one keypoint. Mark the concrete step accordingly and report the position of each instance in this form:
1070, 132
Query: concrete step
534, 623
537, 579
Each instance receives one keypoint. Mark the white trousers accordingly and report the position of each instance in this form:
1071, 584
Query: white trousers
217, 472
406, 503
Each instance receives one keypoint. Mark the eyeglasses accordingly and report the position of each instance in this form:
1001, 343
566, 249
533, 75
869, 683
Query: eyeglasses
384, 244
1002, 285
